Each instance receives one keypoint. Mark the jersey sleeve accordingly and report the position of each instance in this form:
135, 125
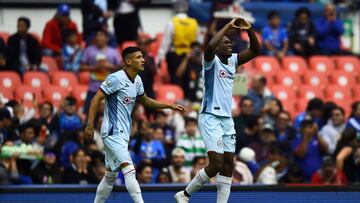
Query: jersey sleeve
140, 88
111, 84
208, 64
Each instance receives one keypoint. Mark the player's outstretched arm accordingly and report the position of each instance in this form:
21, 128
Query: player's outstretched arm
209, 53
254, 49
156, 105
93, 109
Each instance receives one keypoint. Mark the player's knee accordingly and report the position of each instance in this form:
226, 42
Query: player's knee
229, 163
216, 164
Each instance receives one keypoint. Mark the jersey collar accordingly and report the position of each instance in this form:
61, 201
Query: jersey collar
128, 76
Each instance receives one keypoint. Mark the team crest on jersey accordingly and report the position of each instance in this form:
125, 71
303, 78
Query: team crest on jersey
126, 100
230, 62
107, 83
222, 74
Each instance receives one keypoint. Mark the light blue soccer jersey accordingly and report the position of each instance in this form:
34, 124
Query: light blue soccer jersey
219, 78
121, 95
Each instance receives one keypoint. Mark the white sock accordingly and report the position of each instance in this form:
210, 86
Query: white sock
197, 182
131, 184
223, 185
105, 187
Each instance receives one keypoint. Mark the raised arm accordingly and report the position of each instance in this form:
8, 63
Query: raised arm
156, 105
254, 49
94, 105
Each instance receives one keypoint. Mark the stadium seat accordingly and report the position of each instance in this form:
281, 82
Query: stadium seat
6, 93
154, 47
285, 94
55, 94
79, 92
5, 36
267, 65
336, 92
9, 80
27, 95
294, 64
322, 64
244, 36
309, 92
169, 93
301, 104
343, 78
64, 79
84, 77
248, 65
346, 105
349, 64
287, 79
36, 79
127, 44
49, 64
289, 106
356, 94
316, 79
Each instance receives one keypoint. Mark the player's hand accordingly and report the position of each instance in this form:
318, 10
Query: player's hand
89, 132
177, 107
243, 24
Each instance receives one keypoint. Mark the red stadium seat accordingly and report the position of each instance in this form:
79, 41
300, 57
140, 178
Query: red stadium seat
6, 93
9, 80
309, 92
301, 104
348, 63
322, 64
316, 79
289, 106
36, 79
287, 79
169, 93
84, 77
127, 44
342, 78
356, 94
335, 93
79, 92
244, 36
5, 36
64, 79
55, 94
154, 47
285, 94
294, 64
267, 65
49, 64
27, 95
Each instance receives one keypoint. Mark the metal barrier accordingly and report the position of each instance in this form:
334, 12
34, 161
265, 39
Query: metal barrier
164, 193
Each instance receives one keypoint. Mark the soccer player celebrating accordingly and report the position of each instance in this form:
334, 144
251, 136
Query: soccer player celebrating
120, 91
215, 122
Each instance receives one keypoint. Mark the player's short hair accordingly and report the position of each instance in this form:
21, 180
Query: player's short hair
190, 120
340, 109
26, 20
129, 50
70, 100
272, 14
25, 126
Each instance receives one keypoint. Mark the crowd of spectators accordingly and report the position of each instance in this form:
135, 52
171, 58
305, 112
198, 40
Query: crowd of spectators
319, 146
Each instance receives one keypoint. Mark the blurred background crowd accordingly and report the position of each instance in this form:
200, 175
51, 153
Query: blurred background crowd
299, 121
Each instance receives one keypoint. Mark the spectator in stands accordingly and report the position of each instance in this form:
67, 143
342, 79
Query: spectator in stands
309, 148
177, 170
68, 120
242, 174
278, 161
100, 60
144, 173
67, 144
46, 111
189, 73
47, 171
126, 17
150, 68
295, 175
354, 120
344, 154
250, 133
284, 132
24, 51
355, 178
261, 146
246, 111
275, 36
198, 163
71, 52
259, 93
329, 30
331, 132
178, 36
79, 172
272, 110
164, 176
94, 13
169, 132
3, 54
302, 33
314, 109
191, 142
8, 169
112, 42
328, 174
7, 129
55, 30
